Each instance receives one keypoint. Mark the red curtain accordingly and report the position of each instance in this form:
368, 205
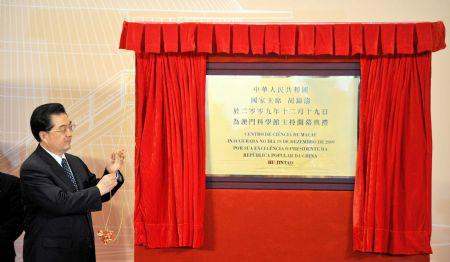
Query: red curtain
286, 40
170, 150
392, 187
392, 212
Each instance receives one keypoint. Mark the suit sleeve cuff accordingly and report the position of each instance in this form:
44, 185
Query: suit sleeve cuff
97, 202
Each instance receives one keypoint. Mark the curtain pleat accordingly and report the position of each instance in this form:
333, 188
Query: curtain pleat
393, 181
170, 148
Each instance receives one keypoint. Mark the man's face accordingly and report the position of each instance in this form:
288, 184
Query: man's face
58, 139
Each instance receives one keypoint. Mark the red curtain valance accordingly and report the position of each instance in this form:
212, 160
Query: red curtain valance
307, 39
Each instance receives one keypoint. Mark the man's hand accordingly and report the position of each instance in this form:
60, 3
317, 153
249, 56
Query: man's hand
107, 183
115, 161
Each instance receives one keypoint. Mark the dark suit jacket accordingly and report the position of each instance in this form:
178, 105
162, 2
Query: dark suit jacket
58, 223
11, 215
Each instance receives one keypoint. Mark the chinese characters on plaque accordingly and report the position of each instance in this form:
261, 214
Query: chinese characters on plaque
281, 125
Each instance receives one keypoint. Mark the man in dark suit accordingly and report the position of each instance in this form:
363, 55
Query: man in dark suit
59, 191
11, 215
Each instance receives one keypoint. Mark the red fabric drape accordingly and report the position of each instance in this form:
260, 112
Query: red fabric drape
392, 186
170, 150
290, 40
392, 198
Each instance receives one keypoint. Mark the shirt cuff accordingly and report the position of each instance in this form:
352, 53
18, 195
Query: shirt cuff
119, 177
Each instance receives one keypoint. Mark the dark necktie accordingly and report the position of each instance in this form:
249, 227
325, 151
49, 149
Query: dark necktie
68, 172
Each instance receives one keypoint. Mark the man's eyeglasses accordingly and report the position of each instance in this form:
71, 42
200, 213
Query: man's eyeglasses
63, 129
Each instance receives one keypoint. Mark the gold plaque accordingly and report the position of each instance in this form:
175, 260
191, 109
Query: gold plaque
281, 125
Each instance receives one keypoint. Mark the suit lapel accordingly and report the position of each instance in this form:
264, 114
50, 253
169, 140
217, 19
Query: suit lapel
56, 168
2, 185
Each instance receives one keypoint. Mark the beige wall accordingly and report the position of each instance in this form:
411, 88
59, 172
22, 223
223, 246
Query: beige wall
66, 51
